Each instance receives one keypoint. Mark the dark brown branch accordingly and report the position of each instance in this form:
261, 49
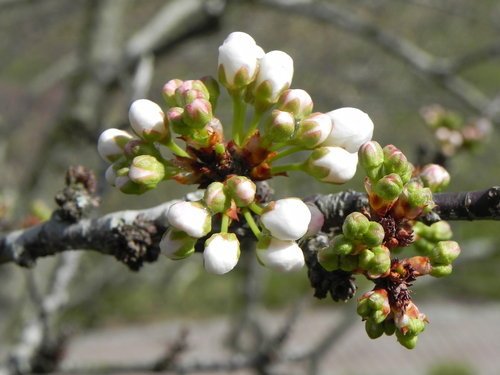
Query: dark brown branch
133, 236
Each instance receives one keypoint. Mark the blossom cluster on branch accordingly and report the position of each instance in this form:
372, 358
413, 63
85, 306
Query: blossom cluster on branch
272, 121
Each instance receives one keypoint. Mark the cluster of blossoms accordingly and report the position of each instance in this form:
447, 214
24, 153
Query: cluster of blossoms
454, 133
398, 194
272, 121
282, 122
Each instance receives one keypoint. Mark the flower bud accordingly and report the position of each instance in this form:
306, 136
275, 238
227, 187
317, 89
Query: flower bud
111, 144
445, 252
348, 263
441, 270
279, 255
286, 219
146, 170
408, 341
366, 258
147, 120
213, 90
280, 126
374, 236
374, 330
215, 197
414, 200
351, 128
371, 155
273, 78
110, 175
241, 189
328, 259
331, 164
355, 225
197, 113
221, 254
374, 305
126, 185
440, 231
388, 187
312, 130
341, 245
317, 220
296, 101
396, 162
190, 217
137, 147
238, 60
380, 263
169, 90
175, 116
176, 244
435, 177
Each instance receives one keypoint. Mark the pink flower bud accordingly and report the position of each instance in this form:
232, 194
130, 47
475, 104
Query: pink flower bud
146, 170
169, 90
296, 101
215, 197
435, 177
317, 220
351, 128
286, 219
198, 113
241, 189
313, 130
280, 127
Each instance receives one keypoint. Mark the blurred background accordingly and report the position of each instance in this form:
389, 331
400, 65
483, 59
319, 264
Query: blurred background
70, 69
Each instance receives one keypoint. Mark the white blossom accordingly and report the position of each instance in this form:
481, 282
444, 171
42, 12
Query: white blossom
238, 59
111, 143
280, 255
221, 254
351, 128
275, 70
147, 120
332, 164
286, 219
176, 244
190, 217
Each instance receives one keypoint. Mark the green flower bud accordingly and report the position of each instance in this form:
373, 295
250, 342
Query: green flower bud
296, 101
373, 329
126, 185
444, 253
176, 244
146, 170
424, 246
137, 147
366, 258
355, 226
408, 341
417, 196
176, 119
388, 187
440, 231
215, 197
374, 306
328, 259
280, 126
371, 155
381, 262
396, 162
312, 130
374, 236
441, 270
341, 245
213, 89
348, 263
389, 327
168, 92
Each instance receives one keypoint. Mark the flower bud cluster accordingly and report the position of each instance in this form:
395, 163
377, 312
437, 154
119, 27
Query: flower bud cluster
358, 249
452, 132
390, 185
282, 223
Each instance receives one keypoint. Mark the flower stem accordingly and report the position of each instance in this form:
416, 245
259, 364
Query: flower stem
175, 148
287, 152
224, 226
239, 112
251, 222
257, 116
286, 168
256, 208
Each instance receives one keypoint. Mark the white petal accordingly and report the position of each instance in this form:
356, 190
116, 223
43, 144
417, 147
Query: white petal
146, 117
351, 128
281, 255
111, 142
288, 219
276, 67
190, 217
340, 163
221, 253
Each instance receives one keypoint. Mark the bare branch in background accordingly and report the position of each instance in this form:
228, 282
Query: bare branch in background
439, 70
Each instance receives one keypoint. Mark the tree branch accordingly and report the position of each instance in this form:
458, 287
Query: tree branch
133, 236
